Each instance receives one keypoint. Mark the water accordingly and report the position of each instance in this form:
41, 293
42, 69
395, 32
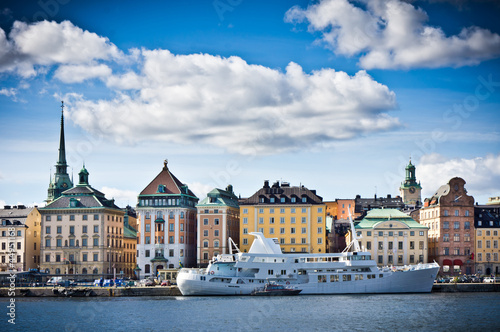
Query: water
407, 312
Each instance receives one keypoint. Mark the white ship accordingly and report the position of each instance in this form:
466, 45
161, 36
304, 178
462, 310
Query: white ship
337, 273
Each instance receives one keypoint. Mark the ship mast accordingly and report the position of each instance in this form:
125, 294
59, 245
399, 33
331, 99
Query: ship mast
354, 236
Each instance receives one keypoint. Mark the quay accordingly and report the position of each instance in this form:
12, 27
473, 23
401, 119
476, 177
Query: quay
174, 290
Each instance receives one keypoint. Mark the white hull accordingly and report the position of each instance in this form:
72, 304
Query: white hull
416, 281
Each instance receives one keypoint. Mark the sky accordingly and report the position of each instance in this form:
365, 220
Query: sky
334, 95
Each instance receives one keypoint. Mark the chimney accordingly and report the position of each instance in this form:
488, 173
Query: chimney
266, 184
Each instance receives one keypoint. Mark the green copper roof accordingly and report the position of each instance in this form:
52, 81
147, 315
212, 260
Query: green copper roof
376, 216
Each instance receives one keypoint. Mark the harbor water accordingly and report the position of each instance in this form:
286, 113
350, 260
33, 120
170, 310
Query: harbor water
402, 312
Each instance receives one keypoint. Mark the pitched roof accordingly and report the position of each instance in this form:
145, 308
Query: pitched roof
376, 216
171, 185
277, 191
219, 197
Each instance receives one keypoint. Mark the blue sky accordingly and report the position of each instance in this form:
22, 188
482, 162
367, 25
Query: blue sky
333, 95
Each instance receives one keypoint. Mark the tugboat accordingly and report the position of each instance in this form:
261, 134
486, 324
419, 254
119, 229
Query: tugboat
272, 289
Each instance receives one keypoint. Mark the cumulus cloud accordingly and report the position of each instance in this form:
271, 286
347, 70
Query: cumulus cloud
393, 34
122, 197
226, 102
47, 43
200, 189
80, 73
482, 174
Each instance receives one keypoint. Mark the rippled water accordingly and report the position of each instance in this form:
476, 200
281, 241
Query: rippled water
407, 312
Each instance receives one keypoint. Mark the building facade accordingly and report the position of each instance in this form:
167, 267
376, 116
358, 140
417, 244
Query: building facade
392, 237
129, 241
487, 251
20, 238
296, 216
411, 190
167, 225
449, 214
82, 233
218, 220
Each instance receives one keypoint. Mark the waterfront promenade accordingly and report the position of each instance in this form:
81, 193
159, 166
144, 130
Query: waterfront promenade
174, 291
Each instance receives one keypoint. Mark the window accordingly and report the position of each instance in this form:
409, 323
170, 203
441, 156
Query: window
147, 253
71, 242
96, 217
446, 237
47, 258
381, 246
205, 221
96, 229
147, 240
71, 229
47, 218
282, 230
320, 230
59, 218
380, 233
171, 239
261, 220
368, 233
320, 219
304, 230
47, 243
205, 232
216, 244
84, 242
245, 230
466, 213
390, 245
421, 233
368, 245
245, 211
271, 230
282, 220
147, 227
292, 230
421, 245
271, 220
171, 227
84, 217
456, 237
245, 220
456, 225
271, 200
467, 225
446, 225
59, 229
292, 220
96, 242
304, 199
467, 237
446, 213
216, 221
84, 229
456, 213
400, 245
456, 251
47, 230
245, 241
58, 242
479, 244
84, 257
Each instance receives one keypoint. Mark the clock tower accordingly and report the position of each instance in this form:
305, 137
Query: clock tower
61, 181
410, 189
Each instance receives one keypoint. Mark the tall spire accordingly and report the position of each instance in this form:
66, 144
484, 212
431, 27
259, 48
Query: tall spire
61, 180
62, 148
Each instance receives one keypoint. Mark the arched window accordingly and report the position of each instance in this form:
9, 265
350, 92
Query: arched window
58, 271
84, 271
95, 271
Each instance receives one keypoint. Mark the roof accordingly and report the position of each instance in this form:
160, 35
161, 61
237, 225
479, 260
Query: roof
165, 183
220, 197
15, 212
375, 216
487, 217
277, 191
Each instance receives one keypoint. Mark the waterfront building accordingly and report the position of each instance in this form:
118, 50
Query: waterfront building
20, 238
129, 241
61, 180
82, 233
487, 251
449, 214
167, 225
218, 219
337, 213
410, 190
392, 237
296, 216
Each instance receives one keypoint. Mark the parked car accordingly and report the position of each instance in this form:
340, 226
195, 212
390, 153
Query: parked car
148, 282
165, 283
491, 279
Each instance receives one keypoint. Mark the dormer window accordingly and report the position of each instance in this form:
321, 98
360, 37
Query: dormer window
283, 199
272, 199
161, 188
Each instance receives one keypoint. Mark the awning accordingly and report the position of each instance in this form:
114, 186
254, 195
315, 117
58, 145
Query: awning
159, 220
447, 262
457, 262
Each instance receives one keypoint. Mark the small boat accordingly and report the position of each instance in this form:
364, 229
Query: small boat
271, 289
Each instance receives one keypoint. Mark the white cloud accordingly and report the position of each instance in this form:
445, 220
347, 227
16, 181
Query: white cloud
46, 43
200, 189
481, 174
80, 73
11, 92
393, 34
225, 102
122, 197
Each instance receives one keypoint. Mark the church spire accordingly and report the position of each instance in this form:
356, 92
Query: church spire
61, 180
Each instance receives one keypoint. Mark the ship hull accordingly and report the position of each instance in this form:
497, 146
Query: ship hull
413, 281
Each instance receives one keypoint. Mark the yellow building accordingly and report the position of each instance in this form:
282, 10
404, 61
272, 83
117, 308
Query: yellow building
296, 216
20, 238
487, 227
392, 237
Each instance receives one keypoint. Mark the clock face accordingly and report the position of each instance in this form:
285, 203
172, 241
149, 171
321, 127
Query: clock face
412, 190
